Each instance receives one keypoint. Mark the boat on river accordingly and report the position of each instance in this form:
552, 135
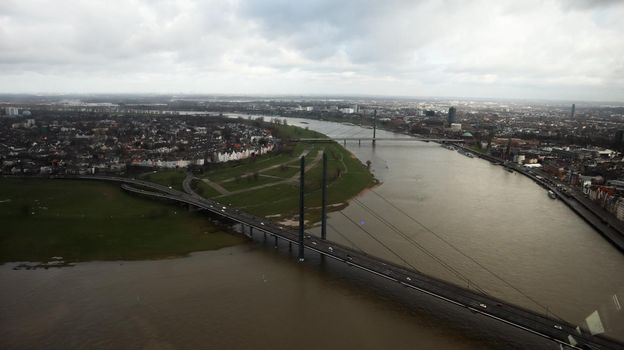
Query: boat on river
466, 153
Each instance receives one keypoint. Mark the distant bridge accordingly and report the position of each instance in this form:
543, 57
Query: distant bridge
561, 332
374, 139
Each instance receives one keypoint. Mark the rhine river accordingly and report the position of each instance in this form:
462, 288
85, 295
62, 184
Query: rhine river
457, 218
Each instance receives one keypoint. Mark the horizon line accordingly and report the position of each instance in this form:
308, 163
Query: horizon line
315, 95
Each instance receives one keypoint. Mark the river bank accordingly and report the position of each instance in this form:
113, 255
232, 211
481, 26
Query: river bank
595, 216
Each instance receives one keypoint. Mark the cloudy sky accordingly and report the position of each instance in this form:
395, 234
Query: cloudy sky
550, 49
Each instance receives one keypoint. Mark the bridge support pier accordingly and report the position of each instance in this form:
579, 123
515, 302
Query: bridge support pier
359, 142
289, 246
250, 231
275, 241
264, 236
344, 142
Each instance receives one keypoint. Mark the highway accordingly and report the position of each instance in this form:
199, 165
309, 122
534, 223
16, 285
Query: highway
556, 330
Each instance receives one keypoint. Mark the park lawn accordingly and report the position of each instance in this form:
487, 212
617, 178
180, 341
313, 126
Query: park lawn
347, 177
247, 182
292, 169
287, 171
84, 220
203, 189
229, 170
168, 177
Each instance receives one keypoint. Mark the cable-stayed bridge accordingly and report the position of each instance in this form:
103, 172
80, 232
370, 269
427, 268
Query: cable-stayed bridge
546, 326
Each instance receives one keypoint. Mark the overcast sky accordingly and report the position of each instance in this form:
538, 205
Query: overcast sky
551, 49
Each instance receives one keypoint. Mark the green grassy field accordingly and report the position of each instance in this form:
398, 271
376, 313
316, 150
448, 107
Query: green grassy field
83, 220
168, 177
203, 189
347, 176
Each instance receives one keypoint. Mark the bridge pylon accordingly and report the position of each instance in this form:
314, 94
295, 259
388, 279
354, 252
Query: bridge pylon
374, 127
301, 195
324, 199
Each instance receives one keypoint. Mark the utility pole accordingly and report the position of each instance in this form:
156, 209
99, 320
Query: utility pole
301, 193
324, 199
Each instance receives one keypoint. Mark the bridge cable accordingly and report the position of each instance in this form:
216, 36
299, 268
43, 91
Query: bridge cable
380, 242
444, 264
345, 237
466, 255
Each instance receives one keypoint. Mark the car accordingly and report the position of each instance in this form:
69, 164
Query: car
314, 243
224, 207
558, 327
330, 249
261, 223
409, 279
483, 305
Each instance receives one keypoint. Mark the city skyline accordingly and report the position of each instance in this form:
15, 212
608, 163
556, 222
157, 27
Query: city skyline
551, 50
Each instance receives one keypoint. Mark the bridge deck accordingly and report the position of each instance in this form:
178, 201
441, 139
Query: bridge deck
528, 320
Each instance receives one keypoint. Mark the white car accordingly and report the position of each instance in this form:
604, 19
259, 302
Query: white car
558, 327
483, 305
331, 249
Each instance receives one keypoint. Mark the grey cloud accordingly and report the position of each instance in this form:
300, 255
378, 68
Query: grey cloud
589, 4
442, 47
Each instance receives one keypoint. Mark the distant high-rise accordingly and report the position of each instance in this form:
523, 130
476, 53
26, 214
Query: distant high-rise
451, 115
573, 111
